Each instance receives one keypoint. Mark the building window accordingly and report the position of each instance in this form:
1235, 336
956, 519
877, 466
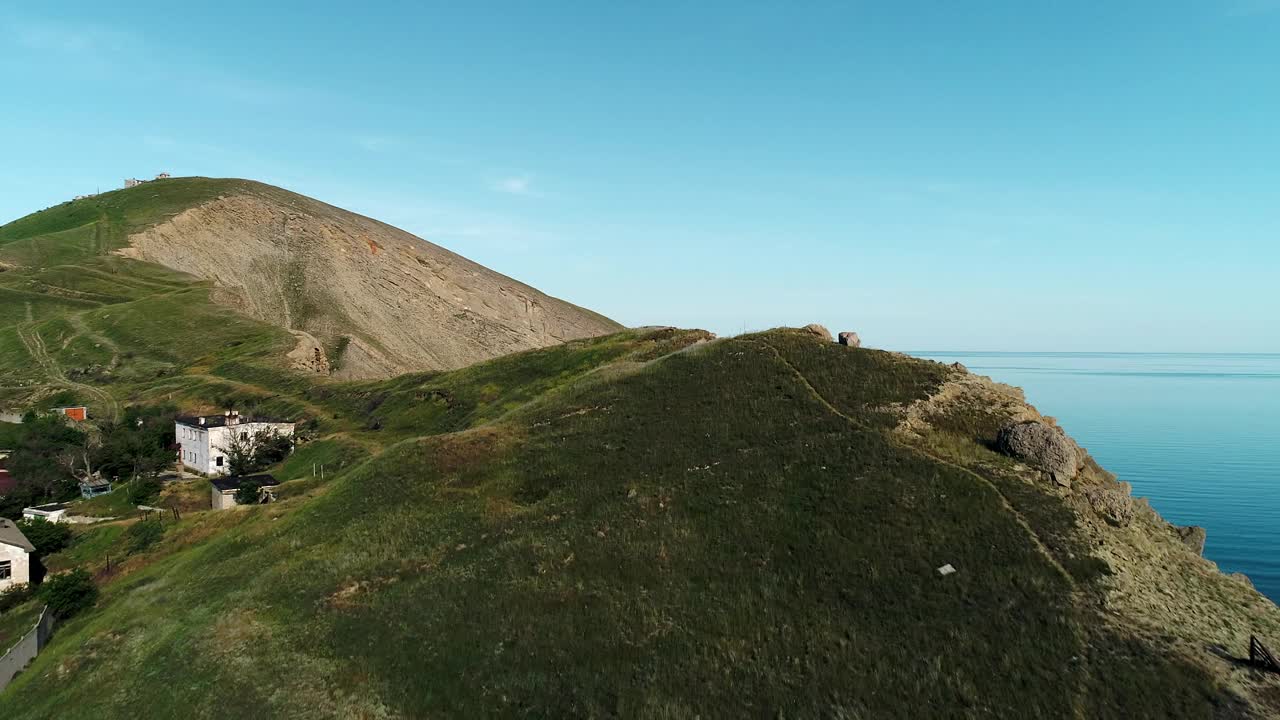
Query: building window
219, 461
6, 569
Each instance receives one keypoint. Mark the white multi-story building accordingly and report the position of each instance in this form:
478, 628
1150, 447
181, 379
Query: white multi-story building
204, 439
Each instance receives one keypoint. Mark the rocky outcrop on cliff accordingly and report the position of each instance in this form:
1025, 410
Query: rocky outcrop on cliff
1044, 446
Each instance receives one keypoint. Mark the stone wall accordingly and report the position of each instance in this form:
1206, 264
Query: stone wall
26, 649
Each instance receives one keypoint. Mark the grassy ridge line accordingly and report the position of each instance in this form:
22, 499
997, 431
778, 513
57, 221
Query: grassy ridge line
506, 372
693, 536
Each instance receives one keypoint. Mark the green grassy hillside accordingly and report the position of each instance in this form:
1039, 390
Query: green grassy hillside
80, 323
642, 526
100, 329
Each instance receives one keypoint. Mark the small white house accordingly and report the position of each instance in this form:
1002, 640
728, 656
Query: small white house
203, 440
51, 512
15, 556
224, 489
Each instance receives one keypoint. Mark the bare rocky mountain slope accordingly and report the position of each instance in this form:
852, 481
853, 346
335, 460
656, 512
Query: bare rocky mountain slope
364, 299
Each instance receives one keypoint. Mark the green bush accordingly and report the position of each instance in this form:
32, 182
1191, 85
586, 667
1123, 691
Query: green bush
247, 493
48, 538
142, 535
144, 490
15, 596
248, 454
69, 593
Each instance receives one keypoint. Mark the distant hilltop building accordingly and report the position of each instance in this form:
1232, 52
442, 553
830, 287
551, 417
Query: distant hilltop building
135, 182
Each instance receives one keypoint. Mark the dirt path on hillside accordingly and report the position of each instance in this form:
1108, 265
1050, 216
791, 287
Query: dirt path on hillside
1076, 593
35, 346
1004, 501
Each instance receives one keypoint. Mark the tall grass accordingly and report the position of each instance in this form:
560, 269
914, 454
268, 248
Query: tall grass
697, 535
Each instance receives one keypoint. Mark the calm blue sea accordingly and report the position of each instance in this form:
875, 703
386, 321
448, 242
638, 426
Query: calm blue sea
1197, 434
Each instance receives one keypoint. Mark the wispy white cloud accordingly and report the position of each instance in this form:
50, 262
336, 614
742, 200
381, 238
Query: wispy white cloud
66, 38
515, 185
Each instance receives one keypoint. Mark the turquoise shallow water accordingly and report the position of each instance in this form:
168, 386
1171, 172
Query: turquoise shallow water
1198, 434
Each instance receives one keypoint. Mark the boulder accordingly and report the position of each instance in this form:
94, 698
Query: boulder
1112, 503
818, 331
1044, 446
1193, 537
1242, 578
850, 339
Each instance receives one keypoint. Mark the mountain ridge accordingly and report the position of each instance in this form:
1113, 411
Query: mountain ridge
402, 303
363, 299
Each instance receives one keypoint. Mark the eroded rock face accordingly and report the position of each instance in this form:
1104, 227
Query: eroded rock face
850, 339
404, 303
308, 355
818, 331
1193, 537
1045, 446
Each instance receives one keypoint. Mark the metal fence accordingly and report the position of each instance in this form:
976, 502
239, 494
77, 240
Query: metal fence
21, 654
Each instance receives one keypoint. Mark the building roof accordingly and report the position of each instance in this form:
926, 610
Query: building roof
221, 420
48, 507
227, 483
11, 535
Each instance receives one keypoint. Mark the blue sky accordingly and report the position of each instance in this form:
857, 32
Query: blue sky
981, 176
